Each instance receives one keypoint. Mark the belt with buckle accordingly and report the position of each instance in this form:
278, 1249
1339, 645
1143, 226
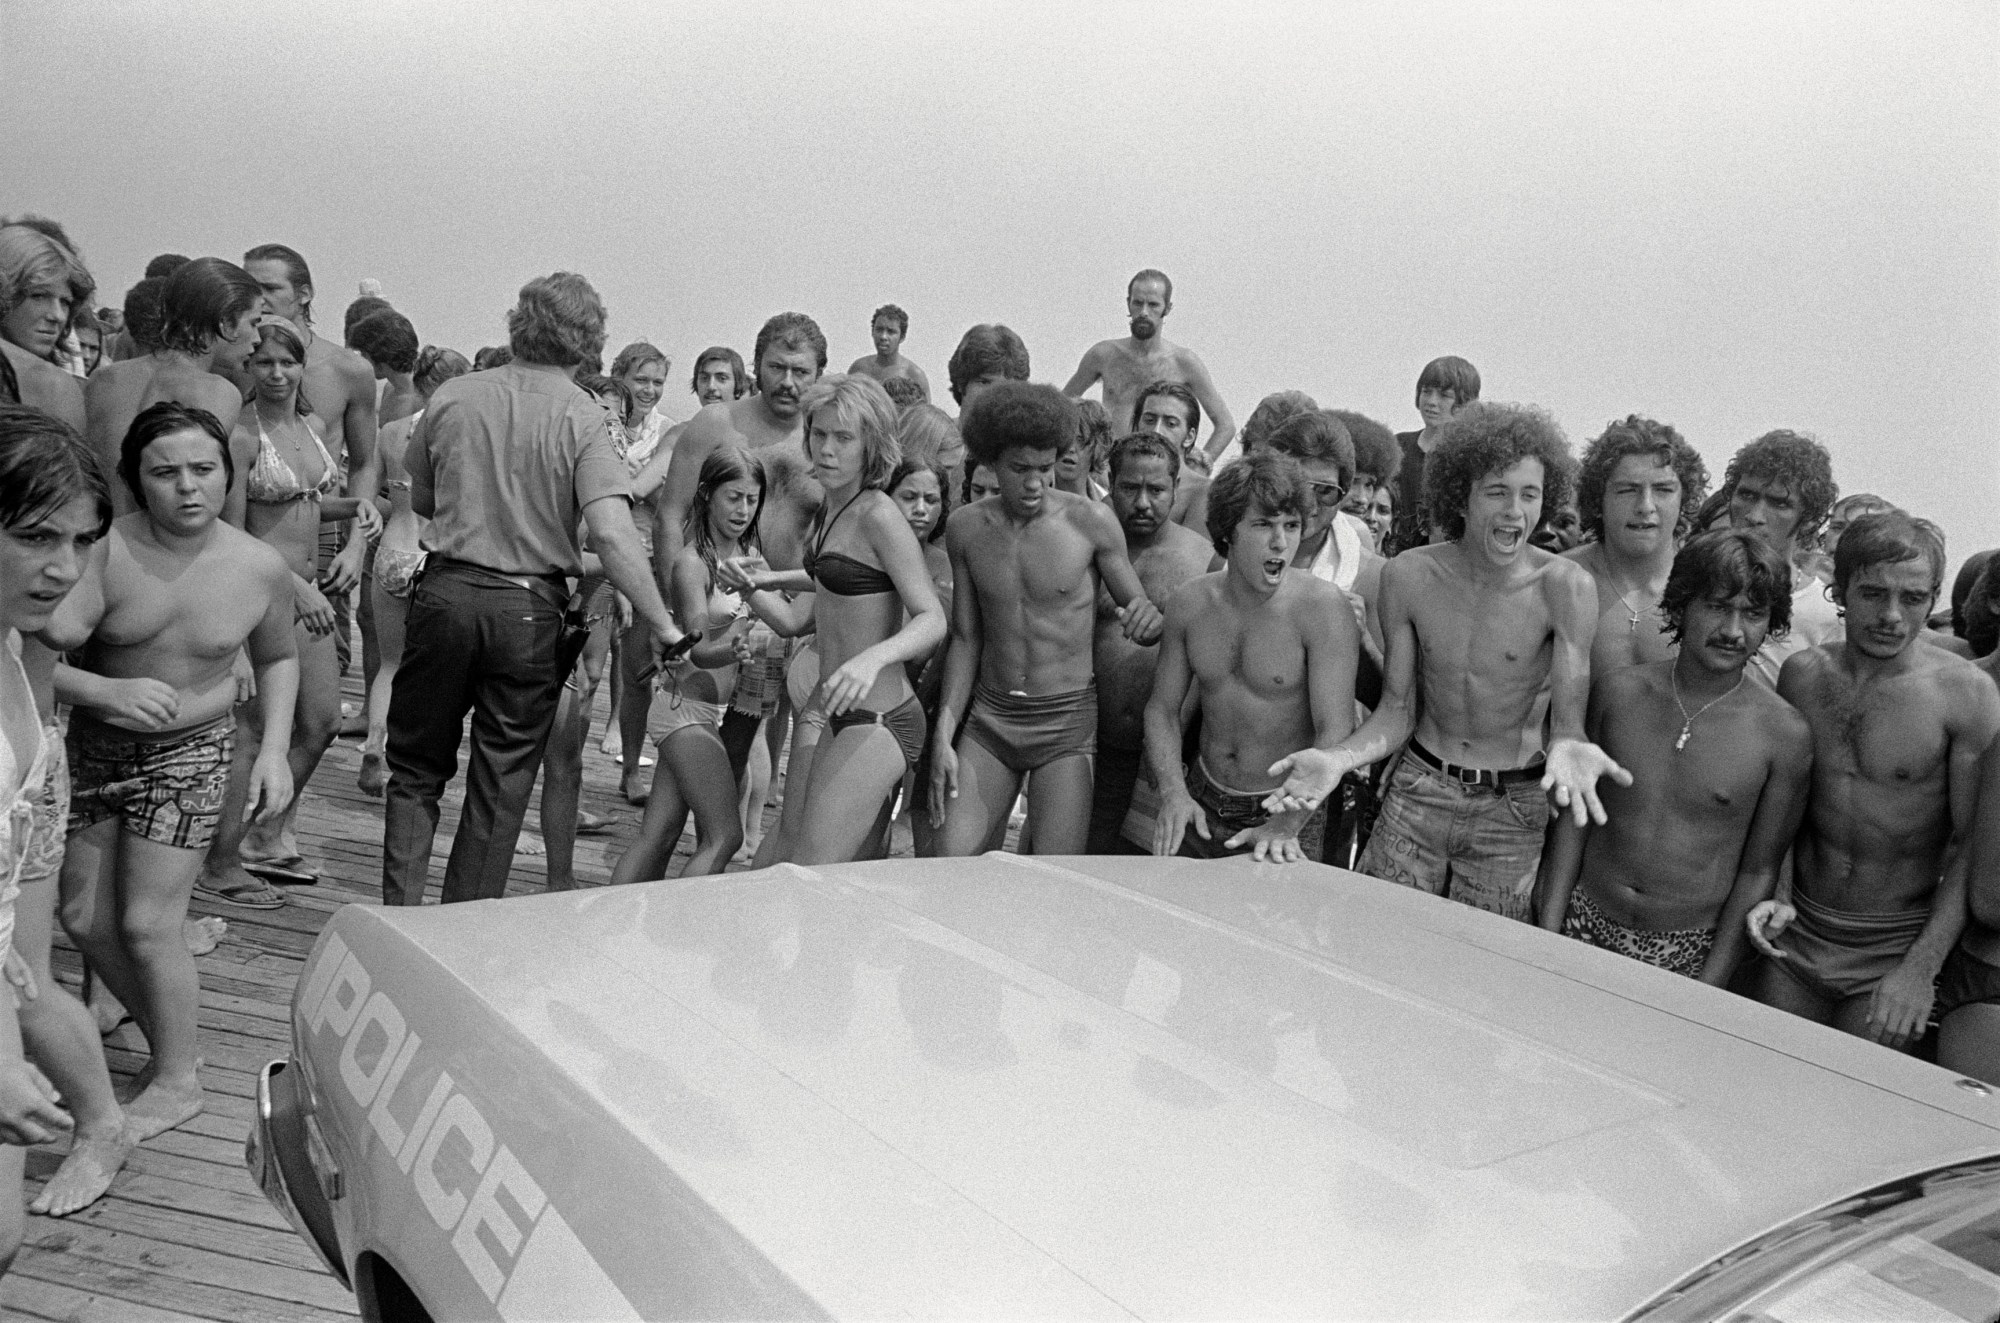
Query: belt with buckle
1476, 776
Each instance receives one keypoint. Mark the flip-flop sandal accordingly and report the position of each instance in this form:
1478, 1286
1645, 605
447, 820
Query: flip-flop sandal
282, 873
589, 824
265, 897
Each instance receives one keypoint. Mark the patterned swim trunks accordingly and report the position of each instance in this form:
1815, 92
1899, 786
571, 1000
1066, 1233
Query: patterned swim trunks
1678, 951
45, 846
165, 787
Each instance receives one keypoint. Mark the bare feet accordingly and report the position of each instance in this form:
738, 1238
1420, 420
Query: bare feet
204, 934
105, 1009
86, 1173
374, 776
530, 846
158, 1105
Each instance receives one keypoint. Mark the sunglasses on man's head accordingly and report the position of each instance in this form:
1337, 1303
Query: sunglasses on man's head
1329, 493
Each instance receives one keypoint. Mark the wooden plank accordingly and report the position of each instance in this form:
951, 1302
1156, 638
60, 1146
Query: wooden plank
274, 1284
279, 1248
144, 1286
25, 1297
224, 1201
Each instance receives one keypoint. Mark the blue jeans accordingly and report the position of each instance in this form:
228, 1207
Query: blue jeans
480, 644
1479, 845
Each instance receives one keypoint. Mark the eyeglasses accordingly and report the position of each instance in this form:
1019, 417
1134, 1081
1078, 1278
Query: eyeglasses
1329, 493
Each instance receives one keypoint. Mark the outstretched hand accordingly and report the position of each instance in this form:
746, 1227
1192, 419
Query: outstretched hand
1275, 840
1310, 776
1572, 771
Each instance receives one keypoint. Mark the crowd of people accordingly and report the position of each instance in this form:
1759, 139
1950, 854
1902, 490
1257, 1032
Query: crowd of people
1731, 733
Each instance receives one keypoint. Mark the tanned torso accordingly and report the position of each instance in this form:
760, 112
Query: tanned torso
1879, 817
1036, 584
1124, 668
1126, 367
1655, 864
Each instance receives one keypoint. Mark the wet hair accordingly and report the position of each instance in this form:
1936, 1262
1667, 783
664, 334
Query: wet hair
1856, 504
1271, 411
1723, 564
143, 311
202, 303
725, 464
1174, 390
635, 356
894, 314
1453, 374
1491, 438
1888, 538
936, 470
32, 259
289, 339
435, 366
165, 265
790, 330
296, 270
924, 431
385, 338
359, 311
1014, 415
858, 402
1658, 442
165, 419
722, 354
1376, 450
965, 484
1093, 433
1317, 435
1962, 586
1798, 462
559, 321
1151, 274
492, 356
598, 386
985, 350
1145, 445
44, 465
904, 392
1264, 481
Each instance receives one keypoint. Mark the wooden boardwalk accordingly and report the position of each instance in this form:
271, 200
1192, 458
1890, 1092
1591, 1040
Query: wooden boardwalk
184, 1233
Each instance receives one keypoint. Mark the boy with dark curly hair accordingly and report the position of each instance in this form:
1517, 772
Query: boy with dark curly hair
1781, 488
1637, 490
1719, 775
1487, 677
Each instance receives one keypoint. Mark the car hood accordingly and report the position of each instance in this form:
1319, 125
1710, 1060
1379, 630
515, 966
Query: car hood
1018, 1086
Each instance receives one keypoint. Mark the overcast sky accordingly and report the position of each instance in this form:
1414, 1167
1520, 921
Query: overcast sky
1729, 216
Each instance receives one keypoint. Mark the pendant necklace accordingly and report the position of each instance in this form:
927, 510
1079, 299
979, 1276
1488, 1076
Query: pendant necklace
1687, 722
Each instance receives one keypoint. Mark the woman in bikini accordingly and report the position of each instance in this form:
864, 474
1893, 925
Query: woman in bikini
290, 486
398, 557
867, 593
693, 770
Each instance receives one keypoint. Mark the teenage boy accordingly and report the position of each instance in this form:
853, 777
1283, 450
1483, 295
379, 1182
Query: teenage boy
1445, 386
1171, 410
887, 328
1636, 493
1144, 471
1877, 894
987, 354
179, 594
1129, 366
1018, 672
1719, 774
1488, 666
1271, 654
1781, 488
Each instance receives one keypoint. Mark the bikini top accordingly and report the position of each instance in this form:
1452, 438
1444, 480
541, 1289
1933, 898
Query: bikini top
271, 480
842, 575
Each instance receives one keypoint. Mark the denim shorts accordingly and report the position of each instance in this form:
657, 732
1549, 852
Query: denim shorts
1479, 845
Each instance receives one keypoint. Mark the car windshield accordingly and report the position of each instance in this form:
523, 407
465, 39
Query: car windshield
1925, 1249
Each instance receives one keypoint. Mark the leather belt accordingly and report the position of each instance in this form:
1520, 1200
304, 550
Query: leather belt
1476, 776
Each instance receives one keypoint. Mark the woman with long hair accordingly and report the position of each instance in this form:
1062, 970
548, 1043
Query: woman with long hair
867, 593
693, 770
398, 558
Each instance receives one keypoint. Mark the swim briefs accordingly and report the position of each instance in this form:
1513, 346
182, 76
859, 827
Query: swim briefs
1678, 950
396, 571
1026, 732
1965, 980
905, 721
1838, 954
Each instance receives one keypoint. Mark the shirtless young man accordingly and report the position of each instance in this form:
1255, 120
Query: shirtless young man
1025, 570
1488, 664
1128, 366
1719, 775
1636, 493
1877, 894
180, 594
1271, 654
41, 283
1781, 488
1171, 410
887, 328
987, 354
1144, 469
209, 310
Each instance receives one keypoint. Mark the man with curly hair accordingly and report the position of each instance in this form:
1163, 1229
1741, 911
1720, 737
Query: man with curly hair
1636, 493
1486, 679
1877, 896
1781, 488
1719, 774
